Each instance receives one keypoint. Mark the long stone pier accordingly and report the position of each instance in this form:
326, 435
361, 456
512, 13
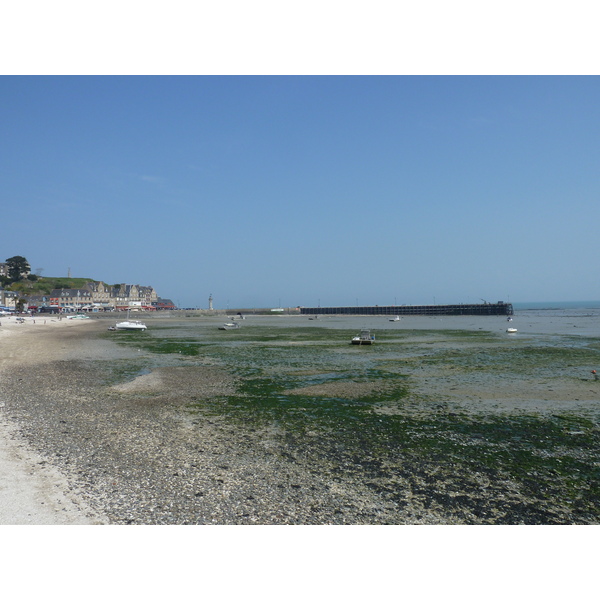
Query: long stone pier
486, 309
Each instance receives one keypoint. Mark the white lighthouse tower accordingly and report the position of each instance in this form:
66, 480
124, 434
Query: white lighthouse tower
210, 306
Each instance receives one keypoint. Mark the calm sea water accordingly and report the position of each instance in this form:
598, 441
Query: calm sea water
541, 318
581, 304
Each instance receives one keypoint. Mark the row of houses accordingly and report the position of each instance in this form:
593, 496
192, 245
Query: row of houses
96, 296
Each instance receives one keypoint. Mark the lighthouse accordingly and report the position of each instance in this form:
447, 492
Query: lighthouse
210, 306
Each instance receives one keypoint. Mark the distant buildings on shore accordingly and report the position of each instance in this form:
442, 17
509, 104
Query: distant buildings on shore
95, 296
7, 298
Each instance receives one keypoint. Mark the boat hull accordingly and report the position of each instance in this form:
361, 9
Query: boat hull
130, 326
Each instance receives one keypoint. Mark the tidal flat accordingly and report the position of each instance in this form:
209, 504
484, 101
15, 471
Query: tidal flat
284, 422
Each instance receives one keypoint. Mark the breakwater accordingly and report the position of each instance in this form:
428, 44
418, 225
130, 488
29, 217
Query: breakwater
485, 309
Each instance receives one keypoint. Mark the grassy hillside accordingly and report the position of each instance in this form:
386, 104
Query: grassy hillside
46, 284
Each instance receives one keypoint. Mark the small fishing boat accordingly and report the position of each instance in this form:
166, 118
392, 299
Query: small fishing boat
364, 338
511, 330
227, 326
396, 318
78, 316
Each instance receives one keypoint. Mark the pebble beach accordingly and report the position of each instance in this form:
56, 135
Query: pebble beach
96, 431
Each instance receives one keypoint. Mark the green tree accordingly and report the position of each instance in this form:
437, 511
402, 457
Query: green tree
21, 302
17, 267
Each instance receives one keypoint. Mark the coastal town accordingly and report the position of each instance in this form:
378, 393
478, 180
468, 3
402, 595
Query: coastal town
91, 296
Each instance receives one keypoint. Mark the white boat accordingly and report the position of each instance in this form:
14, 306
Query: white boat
227, 326
396, 318
511, 330
78, 317
364, 338
130, 325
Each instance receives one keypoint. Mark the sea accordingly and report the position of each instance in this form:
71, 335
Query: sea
530, 319
567, 318
568, 305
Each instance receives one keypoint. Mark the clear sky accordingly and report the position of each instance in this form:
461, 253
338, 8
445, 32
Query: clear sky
306, 190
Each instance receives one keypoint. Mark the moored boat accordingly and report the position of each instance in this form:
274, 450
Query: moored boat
364, 338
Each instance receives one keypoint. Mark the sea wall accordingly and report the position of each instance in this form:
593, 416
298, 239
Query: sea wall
486, 309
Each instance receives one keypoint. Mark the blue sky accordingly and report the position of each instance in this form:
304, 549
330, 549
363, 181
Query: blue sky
306, 190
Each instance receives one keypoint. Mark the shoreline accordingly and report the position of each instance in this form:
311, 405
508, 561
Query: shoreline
33, 491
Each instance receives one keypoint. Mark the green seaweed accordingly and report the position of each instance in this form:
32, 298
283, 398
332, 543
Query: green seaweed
536, 468
162, 345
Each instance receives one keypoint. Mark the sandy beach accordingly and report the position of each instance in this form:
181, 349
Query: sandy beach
289, 424
32, 491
